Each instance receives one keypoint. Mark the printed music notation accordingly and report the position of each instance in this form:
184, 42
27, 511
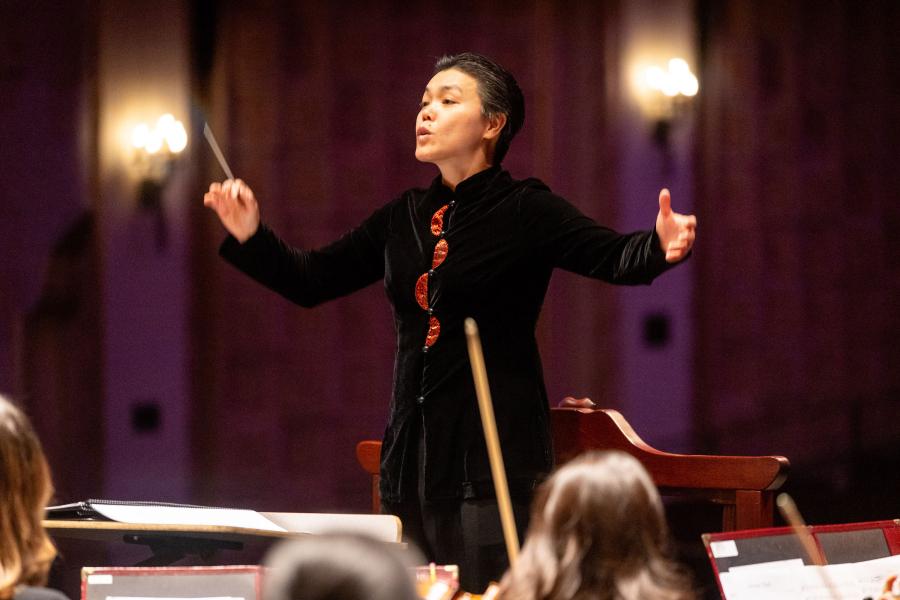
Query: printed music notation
791, 579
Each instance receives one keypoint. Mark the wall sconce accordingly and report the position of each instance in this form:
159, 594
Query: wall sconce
666, 95
155, 151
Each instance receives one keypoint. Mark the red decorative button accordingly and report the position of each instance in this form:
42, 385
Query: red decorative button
422, 291
440, 253
434, 330
437, 220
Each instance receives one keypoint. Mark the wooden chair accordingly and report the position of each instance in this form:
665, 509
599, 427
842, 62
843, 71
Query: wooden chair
744, 485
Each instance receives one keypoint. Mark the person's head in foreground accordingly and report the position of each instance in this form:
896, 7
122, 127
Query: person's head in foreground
26, 551
338, 567
470, 112
597, 531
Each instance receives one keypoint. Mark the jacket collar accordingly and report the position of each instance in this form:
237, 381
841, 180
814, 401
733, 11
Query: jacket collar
469, 188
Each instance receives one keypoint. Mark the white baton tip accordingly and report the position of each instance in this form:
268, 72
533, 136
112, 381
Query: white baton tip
471, 327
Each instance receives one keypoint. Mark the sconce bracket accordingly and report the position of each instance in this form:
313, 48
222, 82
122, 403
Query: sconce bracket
150, 195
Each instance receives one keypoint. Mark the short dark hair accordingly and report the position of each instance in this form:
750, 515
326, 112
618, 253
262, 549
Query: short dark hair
498, 90
338, 567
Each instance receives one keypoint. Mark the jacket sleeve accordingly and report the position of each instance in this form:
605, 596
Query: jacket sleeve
573, 241
310, 277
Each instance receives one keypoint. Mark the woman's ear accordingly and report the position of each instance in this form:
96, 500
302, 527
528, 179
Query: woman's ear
496, 123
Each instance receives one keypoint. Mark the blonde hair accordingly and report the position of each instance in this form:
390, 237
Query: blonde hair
598, 532
26, 551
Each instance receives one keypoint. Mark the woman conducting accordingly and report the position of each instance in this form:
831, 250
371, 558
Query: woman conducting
474, 243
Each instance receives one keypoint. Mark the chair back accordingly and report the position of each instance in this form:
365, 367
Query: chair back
744, 485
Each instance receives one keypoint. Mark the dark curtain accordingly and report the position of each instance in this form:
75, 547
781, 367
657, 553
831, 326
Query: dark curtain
797, 347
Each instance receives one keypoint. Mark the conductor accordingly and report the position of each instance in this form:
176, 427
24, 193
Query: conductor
474, 243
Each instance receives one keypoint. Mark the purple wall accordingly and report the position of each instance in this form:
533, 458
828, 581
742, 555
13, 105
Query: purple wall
45, 117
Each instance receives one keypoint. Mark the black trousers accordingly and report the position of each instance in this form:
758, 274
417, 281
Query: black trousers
467, 533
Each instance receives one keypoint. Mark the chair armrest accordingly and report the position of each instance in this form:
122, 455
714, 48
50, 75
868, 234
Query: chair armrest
576, 430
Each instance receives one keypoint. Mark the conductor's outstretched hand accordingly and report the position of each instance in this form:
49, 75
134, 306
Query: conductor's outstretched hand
676, 231
236, 207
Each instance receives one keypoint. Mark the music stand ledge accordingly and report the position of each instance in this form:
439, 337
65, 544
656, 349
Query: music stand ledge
171, 543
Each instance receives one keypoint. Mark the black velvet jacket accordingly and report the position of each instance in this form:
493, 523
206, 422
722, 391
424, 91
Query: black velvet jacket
504, 237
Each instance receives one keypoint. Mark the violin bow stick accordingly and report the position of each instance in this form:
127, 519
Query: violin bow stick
791, 514
489, 424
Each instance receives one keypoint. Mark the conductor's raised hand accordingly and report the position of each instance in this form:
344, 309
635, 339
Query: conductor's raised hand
236, 206
676, 231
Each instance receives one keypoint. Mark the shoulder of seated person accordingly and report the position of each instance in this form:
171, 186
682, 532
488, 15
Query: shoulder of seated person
38, 593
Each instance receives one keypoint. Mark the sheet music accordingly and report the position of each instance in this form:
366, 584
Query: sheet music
763, 581
176, 515
791, 580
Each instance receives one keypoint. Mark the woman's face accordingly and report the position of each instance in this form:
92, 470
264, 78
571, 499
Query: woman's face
450, 126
